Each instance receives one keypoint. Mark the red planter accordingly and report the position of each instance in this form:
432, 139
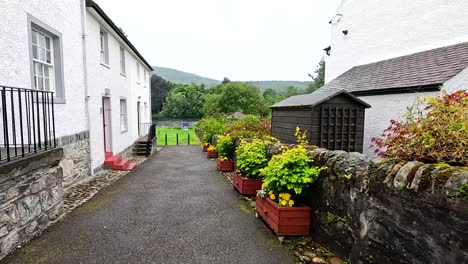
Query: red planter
246, 186
225, 165
205, 148
285, 221
212, 154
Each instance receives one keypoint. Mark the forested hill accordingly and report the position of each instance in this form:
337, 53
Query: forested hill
177, 76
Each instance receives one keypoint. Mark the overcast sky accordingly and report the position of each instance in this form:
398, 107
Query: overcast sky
241, 39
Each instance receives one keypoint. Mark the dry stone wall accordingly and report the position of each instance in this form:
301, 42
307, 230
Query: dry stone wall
376, 210
31, 197
76, 158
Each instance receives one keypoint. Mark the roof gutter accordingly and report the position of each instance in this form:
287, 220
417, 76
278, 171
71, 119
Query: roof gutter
102, 14
402, 90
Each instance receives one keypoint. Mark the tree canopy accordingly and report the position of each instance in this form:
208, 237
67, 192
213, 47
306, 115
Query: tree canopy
234, 97
184, 101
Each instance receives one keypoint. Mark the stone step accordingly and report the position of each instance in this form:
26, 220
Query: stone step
112, 160
121, 164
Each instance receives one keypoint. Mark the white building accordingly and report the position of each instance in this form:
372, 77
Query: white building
388, 53
97, 77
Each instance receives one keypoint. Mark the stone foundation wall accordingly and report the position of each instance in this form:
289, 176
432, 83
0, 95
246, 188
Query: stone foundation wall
31, 197
374, 210
76, 158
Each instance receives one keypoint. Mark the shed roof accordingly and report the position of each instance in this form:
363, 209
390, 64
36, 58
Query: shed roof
316, 98
414, 72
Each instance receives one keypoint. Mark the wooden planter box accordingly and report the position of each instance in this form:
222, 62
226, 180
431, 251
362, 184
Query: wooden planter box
246, 186
225, 165
285, 221
205, 148
212, 154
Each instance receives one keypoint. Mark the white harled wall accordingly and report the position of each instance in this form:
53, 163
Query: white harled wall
101, 77
64, 17
383, 29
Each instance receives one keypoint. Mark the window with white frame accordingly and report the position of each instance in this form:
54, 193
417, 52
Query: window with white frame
123, 115
104, 47
138, 72
43, 61
122, 60
145, 108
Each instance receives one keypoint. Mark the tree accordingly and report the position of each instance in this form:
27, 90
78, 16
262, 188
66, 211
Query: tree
319, 79
291, 91
270, 96
234, 97
159, 90
184, 101
225, 80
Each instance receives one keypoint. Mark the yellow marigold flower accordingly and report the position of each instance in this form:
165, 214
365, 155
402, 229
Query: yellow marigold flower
272, 196
264, 185
270, 192
291, 203
286, 196
283, 202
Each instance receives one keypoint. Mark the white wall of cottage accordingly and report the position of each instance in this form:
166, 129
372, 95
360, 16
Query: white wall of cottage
383, 29
126, 86
65, 18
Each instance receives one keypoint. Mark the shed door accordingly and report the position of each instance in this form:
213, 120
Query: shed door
338, 128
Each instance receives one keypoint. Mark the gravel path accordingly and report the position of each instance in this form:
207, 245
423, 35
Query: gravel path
174, 208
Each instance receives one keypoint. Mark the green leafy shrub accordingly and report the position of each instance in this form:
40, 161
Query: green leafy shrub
289, 172
250, 126
211, 127
251, 157
225, 146
433, 130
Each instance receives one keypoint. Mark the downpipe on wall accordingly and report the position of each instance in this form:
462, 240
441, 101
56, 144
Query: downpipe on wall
85, 82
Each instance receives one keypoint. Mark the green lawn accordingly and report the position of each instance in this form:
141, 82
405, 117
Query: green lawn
171, 136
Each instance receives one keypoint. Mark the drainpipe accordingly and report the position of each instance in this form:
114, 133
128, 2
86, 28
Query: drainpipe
85, 82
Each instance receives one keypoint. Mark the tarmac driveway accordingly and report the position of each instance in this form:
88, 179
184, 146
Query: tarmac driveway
174, 208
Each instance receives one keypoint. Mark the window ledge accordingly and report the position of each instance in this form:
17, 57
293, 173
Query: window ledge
123, 74
123, 131
60, 100
105, 65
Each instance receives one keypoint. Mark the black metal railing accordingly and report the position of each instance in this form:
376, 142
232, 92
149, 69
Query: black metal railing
144, 128
28, 122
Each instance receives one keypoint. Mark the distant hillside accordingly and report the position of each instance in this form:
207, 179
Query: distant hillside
279, 86
177, 76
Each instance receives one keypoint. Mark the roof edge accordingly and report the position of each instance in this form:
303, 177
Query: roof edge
98, 9
400, 90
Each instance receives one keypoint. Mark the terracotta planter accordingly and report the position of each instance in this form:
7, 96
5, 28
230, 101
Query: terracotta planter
246, 186
212, 154
225, 165
285, 221
205, 148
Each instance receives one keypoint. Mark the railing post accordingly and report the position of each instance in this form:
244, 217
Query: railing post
165, 135
188, 138
13, 120
177, 139
21, 121
5, 123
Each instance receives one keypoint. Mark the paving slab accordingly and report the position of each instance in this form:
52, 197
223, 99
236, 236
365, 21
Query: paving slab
174, 208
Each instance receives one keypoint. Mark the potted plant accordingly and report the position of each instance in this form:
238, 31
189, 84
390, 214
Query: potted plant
211, 152
205, 147
251, 157
285, 177
225, 147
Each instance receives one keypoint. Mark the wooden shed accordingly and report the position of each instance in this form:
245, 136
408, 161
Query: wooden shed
333, 119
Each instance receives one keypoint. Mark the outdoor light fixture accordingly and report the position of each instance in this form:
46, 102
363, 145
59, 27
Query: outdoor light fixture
327, 50
345, 32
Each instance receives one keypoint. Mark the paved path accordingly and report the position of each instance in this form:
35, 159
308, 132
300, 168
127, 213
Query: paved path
174, 208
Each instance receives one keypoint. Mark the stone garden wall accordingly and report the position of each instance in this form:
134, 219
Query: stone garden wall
375, 210
31, 197
76, 158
